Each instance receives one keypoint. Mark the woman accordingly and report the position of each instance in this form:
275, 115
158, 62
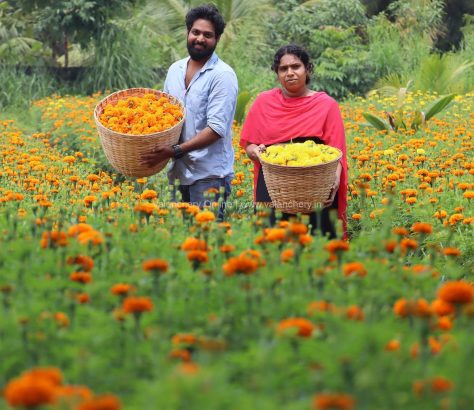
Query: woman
295, 112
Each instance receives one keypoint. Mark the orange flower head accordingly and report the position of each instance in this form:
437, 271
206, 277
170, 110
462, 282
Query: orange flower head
240, 264
287, 255
205, 216
422, 227
300, 326
187, 339
354, 312
355, 268
71, 395
29, 392
197, 256
442, 308
337, 245
149, 194
333, 401
392, 345
137, 304
103, 402
81, 277
193, 244
86, 262
157, 265
456, 292
122, 289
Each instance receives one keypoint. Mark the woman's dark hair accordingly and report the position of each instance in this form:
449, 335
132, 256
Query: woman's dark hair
297, 51
207, 12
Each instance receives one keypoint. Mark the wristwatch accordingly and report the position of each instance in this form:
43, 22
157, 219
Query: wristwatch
177, 151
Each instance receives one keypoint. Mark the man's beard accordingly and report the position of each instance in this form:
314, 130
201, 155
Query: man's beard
198, 55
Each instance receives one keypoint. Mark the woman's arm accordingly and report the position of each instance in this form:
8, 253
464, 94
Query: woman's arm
335, 186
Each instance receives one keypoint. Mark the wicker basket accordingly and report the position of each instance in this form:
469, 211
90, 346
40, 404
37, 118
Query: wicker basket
299, 189
124, 151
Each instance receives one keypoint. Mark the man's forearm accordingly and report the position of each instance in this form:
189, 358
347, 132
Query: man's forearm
201, 140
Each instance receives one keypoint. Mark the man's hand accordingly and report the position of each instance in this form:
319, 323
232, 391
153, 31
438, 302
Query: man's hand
253, 151
156, 156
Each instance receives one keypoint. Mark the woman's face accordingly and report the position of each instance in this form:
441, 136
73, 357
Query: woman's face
292, 73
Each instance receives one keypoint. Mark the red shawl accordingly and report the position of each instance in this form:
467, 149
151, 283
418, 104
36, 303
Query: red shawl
274, 118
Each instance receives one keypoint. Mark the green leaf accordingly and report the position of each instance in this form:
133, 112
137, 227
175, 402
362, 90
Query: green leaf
242, 101
439, 105
377, 122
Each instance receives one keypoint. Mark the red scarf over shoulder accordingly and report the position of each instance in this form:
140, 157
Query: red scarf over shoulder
274, 118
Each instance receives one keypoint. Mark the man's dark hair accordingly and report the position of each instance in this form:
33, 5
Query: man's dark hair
297, 51
207, 12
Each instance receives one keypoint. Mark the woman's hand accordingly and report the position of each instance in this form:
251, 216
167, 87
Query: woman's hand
334, 188
253, 151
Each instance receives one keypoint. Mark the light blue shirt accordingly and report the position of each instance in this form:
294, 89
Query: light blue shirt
210, 101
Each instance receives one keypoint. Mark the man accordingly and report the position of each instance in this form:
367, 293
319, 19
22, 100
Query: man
204, 158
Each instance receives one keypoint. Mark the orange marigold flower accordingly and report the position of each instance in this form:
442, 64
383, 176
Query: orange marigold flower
188, 368
319, 306
354, 268
182, 354
82, 298
227, 248
327, 401
198, 256
354, 312
287, 255
29, 392
357, 217
451, 252
400, 231
442, 308
81, 277
305, 239
240, 264
275, 234
303, 327
103, 402
188, 339
51, 374
422, 227
440, 384
205, 216
159, 265
86, 262
72, 394
137, 304
407, 243
122, 289
53, 239
392, 345
79, 228
193, 244
456, 292
61, 319
93, 237
390, 245
149, 194
145, 208
337, 245
297, 228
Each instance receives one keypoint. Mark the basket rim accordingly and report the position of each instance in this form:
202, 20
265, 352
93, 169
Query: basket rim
153, 91
295, 167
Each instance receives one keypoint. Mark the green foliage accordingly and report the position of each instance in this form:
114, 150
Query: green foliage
120, 61
444, 73
19, 88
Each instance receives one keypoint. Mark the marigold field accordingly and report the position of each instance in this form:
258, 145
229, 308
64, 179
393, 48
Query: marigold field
111, 297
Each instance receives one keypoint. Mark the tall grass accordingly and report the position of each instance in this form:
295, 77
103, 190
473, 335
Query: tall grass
20, 88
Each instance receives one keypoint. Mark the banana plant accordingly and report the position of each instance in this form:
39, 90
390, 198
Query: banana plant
399, 120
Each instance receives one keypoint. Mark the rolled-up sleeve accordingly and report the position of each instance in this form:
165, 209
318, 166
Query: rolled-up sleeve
222, 102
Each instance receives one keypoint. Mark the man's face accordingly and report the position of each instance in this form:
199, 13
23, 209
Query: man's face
202, 40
